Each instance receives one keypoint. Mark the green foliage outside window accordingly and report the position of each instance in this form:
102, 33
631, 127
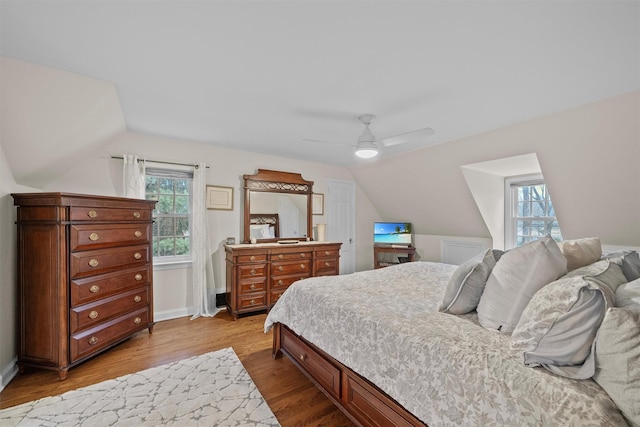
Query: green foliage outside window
171, 235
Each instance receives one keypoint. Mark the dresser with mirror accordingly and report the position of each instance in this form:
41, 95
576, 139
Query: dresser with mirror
277, 246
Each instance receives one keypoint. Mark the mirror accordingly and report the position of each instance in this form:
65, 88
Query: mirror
277, 206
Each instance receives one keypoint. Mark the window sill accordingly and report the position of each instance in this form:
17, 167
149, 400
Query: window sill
171, 265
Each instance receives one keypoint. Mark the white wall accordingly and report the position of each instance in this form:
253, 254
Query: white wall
8, 271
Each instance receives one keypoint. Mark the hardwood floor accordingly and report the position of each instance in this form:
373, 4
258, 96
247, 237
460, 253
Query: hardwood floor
294, 400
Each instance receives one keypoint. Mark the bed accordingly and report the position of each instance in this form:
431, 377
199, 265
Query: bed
381, 348
264, 226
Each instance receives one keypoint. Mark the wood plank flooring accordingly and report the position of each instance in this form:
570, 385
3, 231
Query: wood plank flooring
294, 400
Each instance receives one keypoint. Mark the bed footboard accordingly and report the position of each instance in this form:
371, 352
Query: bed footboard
359, 399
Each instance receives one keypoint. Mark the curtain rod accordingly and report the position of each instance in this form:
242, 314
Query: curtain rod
159, 161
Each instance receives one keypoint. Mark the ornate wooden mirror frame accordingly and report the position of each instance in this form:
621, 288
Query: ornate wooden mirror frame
269, 181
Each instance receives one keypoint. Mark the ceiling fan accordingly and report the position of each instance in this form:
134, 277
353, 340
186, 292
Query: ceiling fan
367, 147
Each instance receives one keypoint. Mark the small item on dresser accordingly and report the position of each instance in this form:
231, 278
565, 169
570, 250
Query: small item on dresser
253, 240
231, 240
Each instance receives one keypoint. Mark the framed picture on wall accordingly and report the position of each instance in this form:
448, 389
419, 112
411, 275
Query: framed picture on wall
317, 203
219, 197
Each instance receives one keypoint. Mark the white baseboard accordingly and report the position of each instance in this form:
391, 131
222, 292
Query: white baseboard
159, 316
8, 373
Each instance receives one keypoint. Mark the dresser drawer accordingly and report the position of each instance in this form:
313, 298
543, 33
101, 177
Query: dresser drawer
96, 214
328, 252
102, 260
249, 286
255, 301
275, 294
85, 343
285, 282
252, 270
319, 368
286, 256
244, 259
327, 266
96, 287
96, 312
286, 268
90, 236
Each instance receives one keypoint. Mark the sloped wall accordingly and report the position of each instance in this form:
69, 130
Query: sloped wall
589, 157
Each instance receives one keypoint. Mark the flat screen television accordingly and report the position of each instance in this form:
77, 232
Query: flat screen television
392, 233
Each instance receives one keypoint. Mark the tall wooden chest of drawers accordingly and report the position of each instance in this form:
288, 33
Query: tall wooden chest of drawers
84, 276
258, 274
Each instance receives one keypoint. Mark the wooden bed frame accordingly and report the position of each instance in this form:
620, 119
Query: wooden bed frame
359, 399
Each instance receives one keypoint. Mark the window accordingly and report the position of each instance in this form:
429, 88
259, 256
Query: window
172, 214
530, 213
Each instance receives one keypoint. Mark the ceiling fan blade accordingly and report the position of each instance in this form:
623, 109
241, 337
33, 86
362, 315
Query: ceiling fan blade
406, 137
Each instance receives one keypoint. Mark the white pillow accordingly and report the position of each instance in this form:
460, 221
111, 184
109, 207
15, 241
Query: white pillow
467, 283
558, 327
617, 357
628, 295
517, 276
581, 252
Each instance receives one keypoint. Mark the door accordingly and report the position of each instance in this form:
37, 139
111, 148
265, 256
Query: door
341, 221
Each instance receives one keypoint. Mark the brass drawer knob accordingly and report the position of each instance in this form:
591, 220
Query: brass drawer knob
137, 320
280, 282
93, 340
92, 214
94, 289
137, 298
280, 256
280, 268
252, 302
93, 314
327, 264
93, 237
252, 258
137, 255
136, 214
138, 277
252, 271
93, 262
327, 253
138, 233
303, 357
253, 286
303, 254
302, 266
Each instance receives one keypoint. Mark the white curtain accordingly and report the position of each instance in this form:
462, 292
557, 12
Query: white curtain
204, 290
133, 177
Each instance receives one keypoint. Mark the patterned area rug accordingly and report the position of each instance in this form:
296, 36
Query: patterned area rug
213, 389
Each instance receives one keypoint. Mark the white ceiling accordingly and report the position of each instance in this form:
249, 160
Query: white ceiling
263, 76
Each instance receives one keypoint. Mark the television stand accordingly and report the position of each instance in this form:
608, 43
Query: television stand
384, 256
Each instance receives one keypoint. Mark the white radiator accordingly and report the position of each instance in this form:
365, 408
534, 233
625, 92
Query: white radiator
458, 251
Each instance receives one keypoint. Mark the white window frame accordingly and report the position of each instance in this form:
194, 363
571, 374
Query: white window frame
180, 261
510, 209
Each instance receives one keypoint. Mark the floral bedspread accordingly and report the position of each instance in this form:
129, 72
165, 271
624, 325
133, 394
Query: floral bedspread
445, 369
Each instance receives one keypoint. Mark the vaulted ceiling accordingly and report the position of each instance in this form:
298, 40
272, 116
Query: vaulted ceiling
270, 76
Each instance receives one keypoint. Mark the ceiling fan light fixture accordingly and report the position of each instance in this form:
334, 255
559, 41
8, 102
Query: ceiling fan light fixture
366, 150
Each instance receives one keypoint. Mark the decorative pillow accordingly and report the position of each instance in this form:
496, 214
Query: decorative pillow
581, 252
604, 272
558, 327
629, 261
628, 295
467, 283
518, 274
617, 360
